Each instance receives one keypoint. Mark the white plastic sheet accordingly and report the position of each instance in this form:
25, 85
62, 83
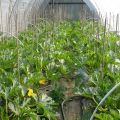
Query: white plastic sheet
109, 9
10, 10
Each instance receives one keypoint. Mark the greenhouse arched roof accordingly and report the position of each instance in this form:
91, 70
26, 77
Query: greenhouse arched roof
109, 7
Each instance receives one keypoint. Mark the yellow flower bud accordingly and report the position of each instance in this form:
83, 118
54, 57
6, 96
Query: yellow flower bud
42, 82
30, 92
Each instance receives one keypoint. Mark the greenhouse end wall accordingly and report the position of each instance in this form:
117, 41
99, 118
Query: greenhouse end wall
69, 9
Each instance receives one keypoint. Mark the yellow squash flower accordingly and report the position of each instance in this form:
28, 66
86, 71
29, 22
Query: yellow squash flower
42, 82
30, 92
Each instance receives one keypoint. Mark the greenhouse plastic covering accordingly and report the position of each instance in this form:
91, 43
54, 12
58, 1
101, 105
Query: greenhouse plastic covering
109, 8
10, 8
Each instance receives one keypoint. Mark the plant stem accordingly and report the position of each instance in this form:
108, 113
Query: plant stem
6, 106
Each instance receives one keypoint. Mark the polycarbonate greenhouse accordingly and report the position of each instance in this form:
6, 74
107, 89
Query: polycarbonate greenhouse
59, 60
